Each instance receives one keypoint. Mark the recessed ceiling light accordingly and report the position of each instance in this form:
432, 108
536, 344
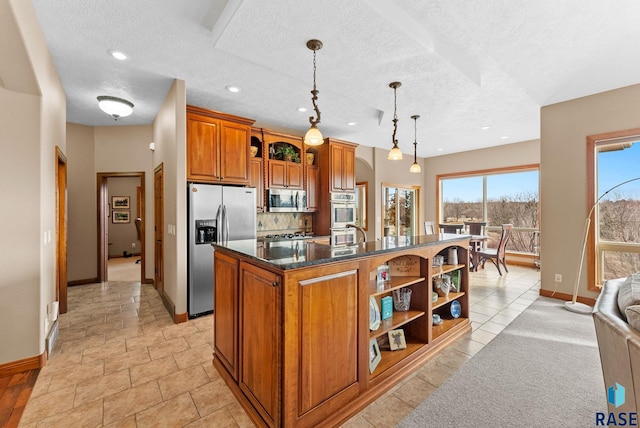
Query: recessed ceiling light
352, 123
233, 89
440, 150
484, 128
302, 109
504, 137
118, 54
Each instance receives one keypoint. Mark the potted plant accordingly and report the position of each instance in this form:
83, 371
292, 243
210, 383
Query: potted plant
287, 153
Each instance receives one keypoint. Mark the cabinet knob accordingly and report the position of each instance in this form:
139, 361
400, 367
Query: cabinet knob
274, 283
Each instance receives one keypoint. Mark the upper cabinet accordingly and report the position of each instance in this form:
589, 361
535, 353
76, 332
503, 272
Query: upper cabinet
256, 168
218, 147
284, 164
339, 157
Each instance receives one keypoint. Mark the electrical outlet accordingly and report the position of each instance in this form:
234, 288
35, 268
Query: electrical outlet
133, 245
558, 277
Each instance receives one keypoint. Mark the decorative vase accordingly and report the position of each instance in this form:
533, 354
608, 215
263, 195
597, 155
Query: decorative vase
310, 158
287, 158
254, 151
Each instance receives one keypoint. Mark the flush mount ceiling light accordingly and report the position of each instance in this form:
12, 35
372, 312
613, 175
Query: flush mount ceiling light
114, 106
415, 167
233, 89
395, 153
313, 137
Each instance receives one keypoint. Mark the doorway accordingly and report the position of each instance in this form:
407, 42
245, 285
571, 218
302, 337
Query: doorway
61, 230
158, 216
117, 209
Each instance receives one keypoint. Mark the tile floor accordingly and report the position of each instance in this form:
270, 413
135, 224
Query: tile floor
121, 362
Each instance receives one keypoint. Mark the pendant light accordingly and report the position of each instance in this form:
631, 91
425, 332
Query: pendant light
395, 153
313, 137
415, 167
114, 106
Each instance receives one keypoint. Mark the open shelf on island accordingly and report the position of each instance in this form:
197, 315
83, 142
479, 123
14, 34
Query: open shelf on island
439, 270
391, 358
448, 299
398, 319
447, 325
393, 284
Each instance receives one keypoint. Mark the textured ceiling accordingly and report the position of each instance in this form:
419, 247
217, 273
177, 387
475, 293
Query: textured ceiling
463, 64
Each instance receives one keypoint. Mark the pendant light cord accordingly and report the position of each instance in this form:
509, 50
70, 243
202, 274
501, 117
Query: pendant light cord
395, 119
314, 92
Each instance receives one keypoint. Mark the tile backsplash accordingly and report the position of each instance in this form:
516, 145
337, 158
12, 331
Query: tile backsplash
275, 223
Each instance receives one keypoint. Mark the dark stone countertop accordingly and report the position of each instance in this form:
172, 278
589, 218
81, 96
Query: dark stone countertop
294, 254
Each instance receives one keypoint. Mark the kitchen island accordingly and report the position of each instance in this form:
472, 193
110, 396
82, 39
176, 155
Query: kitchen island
293, 331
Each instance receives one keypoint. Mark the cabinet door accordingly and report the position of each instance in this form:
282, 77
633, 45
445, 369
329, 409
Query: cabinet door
337, 154
202, 155
260, 339
256, 180
235, 140
277, 174
349, 169
328, 316
312, 188
225, 307
294, 175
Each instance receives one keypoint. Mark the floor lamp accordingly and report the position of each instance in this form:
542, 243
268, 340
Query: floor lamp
574, 306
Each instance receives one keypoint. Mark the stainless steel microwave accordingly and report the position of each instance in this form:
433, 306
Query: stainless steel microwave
286, 201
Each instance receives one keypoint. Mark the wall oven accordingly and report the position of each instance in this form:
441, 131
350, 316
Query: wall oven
286, 201
343, 237
343, 210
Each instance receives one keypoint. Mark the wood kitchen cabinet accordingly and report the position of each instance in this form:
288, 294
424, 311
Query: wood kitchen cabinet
226, 304
260, 339
306, 337
337, 172
217, 147
312, 188
283, 174
256, 169
338, 164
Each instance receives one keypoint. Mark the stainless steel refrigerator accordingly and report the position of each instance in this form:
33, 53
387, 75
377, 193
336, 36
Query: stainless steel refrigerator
216, 214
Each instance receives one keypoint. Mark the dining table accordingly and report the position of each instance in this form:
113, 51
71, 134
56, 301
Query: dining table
476, 244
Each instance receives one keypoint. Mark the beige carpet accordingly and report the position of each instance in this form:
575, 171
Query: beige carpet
543, 370
124, 269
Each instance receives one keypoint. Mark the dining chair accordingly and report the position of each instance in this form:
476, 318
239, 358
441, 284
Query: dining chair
429, 228
451, 227
475, 227
496, 255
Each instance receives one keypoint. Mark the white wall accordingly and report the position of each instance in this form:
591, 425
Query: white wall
564, 130
32, 124
82, 244
126, 149
169, 134
122, 235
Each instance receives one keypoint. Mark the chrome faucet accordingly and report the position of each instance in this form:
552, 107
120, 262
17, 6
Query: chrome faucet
361, 230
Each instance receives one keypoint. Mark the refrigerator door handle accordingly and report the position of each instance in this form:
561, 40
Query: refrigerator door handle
298, 201
219, 224
226, 223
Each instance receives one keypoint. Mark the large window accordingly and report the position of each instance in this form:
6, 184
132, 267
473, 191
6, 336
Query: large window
618, 211
400, 210
496, 197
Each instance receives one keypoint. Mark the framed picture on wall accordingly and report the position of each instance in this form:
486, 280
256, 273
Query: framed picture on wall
121, 216
120, 202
